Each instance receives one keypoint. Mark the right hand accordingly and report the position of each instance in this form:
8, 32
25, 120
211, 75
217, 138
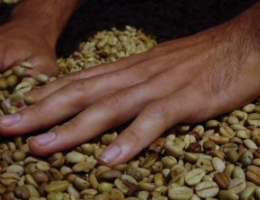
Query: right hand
19, 43
187, 80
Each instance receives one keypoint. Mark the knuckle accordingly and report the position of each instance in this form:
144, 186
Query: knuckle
79, 92
110, 102
77, 88
69, 126
156, 111
37, 113
34, 109
134, 136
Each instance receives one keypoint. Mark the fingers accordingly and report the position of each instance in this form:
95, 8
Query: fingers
83, 127
136, 60
190, 104
76, 97
43, 60
139, 70
101, 116
44, 64
112, 110
10, 58
51, 110
152, 122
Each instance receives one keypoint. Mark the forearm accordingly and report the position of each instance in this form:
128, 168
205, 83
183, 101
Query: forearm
46, 16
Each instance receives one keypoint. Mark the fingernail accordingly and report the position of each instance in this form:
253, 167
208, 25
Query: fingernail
110, 154
9, 120
45, 138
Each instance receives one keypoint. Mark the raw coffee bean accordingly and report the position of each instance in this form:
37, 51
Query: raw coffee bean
253, 174
222, 180
22, 192
237, 185
207, 189
194, 176
180, 192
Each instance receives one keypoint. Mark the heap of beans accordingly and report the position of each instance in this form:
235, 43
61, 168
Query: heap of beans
216, 159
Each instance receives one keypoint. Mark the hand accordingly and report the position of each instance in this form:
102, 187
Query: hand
186, 80
19, 44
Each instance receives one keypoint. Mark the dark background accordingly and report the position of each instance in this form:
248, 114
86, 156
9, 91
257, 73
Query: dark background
165, 19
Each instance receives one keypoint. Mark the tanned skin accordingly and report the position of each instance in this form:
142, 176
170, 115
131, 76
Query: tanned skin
32, 33
185, 80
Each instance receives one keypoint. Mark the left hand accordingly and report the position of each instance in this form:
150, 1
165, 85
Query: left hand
19, 43
186, 80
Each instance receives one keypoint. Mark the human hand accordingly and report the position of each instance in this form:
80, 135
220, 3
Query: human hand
19, 44
186, 80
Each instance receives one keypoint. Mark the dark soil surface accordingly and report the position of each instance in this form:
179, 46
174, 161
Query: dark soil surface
165, 19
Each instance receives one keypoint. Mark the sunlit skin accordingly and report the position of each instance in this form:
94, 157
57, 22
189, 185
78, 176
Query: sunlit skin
186, 80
